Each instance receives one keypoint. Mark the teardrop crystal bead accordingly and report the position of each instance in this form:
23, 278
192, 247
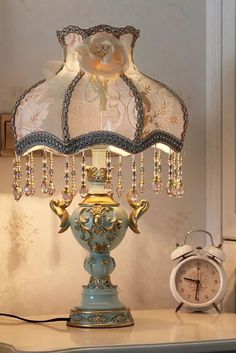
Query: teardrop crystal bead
108, 186
17, 193
66, 194
44, 188
83, 191
51, 189
133, 195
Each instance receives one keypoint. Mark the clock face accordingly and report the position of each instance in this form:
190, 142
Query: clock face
197, 281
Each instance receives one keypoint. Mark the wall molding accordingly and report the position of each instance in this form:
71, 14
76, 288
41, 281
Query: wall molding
214, 118
220, 119
228, 121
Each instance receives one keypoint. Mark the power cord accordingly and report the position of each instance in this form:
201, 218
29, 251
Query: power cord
35, 321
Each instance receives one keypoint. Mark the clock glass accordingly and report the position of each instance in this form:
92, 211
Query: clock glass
197, 281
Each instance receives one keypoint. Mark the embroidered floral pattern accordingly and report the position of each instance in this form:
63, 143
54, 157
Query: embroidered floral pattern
32, 112
162, 110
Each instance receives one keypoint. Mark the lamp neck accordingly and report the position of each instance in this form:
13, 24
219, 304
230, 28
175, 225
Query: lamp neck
96, 173
99, 157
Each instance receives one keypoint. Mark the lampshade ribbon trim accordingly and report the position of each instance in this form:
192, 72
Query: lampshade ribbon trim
115, 31
139, 106
95, 138
66, 103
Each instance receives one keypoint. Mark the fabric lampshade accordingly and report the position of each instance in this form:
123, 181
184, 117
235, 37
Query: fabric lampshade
98, 96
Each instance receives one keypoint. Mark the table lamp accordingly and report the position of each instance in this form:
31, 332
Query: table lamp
98, 99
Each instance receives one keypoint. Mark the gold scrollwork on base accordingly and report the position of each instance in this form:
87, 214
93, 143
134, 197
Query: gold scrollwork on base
98, 221
100, 282
96, 175
101, 318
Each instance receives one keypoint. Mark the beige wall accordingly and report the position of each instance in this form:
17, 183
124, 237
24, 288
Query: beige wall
40, 271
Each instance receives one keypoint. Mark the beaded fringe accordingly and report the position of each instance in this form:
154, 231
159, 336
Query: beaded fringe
72, 184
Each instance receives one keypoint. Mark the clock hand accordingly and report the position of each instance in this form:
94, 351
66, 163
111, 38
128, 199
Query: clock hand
197, 290
198, 283
190, 279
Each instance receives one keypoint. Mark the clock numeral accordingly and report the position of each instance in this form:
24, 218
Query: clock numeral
215, 281
213, 290
182, 290
213, 273
206, 296
183, 272
180, 281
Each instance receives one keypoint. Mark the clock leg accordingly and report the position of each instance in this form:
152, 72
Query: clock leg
179, 307
216, 308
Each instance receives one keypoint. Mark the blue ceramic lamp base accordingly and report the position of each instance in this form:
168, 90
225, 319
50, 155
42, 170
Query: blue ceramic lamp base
100, 306
99, 224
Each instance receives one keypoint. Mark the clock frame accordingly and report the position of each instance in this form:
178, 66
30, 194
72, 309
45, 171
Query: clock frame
198, 306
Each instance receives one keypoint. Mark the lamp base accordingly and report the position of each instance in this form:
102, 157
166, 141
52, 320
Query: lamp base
119, 317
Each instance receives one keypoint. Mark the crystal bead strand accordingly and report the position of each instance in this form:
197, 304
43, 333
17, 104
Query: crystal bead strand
29, 188
66, 193
32, 184
74, 188
174, 173
141, 182
16, 185
44, 185
119, 189
51, 185
26, 189
157, 184
83, 189
108, 184
179, 172
133, 192
170, 184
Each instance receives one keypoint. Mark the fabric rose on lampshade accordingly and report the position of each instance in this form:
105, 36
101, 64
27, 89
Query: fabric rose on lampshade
103, 55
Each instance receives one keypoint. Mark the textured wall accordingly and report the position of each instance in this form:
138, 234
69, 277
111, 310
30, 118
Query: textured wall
40, 271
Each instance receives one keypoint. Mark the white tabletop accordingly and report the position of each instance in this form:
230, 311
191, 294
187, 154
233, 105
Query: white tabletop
154, 331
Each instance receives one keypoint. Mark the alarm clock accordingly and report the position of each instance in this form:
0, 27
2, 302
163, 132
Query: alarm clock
198, 281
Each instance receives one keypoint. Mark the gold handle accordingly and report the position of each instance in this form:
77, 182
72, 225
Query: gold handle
59, 208
139, 208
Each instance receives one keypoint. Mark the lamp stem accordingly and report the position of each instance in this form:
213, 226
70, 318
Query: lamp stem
99, 157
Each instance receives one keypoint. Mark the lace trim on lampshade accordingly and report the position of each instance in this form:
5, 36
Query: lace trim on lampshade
95, 138
84, 33
70, 37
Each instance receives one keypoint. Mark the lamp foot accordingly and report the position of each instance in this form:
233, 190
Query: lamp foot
119, 317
